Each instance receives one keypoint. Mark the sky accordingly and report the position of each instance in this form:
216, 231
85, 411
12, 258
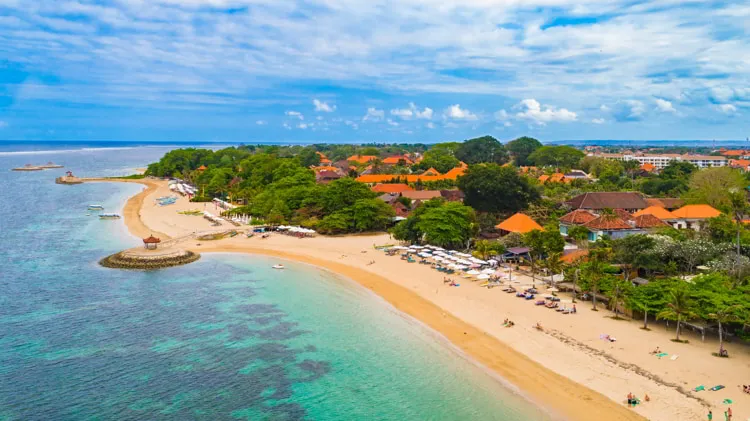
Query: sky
373, 70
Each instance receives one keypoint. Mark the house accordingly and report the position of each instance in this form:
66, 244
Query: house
518, 223
610, 225
431, 171
397, 159
452, 195
741, 164
325, 176
402, 211
648, 222
361, 159
693, 216
598, 201
413, 178
391, 188
421, 195
668, 203
202, 168
574, 218
648, 168
656, 211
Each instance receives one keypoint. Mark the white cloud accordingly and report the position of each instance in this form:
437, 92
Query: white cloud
391, 122
412, 112
261, 122
430, 125
598, 121
457, 113
665, 106
352, 124
295, 114
724, 108
319, 118
507, 124
533, 111
502, 115
303, 126
373, 114
323, 106
287, 126
3, 124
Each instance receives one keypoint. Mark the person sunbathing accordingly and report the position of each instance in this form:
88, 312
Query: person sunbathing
656, 351
538, 326
647, 398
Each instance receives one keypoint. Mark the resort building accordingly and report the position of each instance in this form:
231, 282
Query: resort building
617, 224
668, 203
519, 223
421, 194
397, 160
660, 161
361, 159
326, 176
323, 159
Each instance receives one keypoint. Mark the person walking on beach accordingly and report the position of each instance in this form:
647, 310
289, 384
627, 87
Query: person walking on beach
710, 415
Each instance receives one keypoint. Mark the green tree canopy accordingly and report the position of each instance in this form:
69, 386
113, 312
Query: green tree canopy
445, 224
556, 156
712, 185
482, 149
492, 188
521, 148
678, 170
441, 158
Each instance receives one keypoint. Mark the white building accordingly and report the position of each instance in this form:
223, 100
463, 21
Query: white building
662, 160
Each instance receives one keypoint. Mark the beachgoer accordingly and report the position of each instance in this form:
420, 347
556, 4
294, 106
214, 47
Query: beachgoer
538, 326
656, 351
729, 413
710, 415
647, 398
574, 308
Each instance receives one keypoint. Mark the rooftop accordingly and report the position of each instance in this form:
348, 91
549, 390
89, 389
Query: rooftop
608, 223
391, 188
520, 223
607, 200
696, 212
656, 211
577, 217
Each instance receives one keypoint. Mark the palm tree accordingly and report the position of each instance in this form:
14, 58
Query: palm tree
595, 270
486, 248
725, 315
620, 290
679, 308
554, 264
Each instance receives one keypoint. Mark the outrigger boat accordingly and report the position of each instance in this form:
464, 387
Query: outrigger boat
278, 266
96, 207
109, 216
51, 165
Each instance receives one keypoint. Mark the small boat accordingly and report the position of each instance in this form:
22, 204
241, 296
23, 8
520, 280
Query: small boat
278, 266
109, 216
51, 165
95, 207
28, 167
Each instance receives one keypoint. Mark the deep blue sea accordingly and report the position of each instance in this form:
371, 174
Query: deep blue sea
225, 338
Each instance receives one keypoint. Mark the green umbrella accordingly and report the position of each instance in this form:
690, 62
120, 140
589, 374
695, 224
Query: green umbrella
727, 401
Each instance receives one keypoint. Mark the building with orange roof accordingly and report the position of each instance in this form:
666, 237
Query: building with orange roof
575, 256
543, 178
395, 160
361, 159
519, 223
736, 152
648, 167
742, 164
656, 211
391, 188
693, 216
323, 159
325, 168
431, 171
612, 226
557, 178
202, 168
410, 178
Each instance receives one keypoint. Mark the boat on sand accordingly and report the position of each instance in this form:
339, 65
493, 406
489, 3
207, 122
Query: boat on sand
278, 266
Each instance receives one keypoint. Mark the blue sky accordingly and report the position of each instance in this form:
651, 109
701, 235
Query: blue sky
373, 70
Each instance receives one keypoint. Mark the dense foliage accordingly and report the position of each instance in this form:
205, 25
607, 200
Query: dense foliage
445, 224
521, 148
492, 188
482, 149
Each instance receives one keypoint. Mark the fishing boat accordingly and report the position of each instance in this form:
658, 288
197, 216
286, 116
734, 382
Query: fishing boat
109, 216
96, 207
278, 266
51, 165
28, 167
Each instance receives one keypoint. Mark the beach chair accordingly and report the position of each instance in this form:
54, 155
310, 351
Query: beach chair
540, 302
717, 387
699, 388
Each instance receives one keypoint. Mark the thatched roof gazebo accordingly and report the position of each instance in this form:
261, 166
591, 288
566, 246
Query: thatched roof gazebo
151, 242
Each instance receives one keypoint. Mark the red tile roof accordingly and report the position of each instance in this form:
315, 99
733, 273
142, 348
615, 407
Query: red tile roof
422, 194
393, 160
623, 214
361, 159
607, 223
577, 217
656, 211
649, 221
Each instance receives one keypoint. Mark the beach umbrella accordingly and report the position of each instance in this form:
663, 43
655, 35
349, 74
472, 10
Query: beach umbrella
483, 276
473, 272
553, 290
489, 271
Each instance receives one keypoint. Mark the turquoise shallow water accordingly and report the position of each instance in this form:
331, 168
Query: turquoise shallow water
226, 338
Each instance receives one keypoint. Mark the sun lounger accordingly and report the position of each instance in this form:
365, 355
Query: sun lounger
540, 302
699, 388
674, 357
717, 387
663, 354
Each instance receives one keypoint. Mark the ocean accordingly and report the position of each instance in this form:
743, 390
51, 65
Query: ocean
225, 338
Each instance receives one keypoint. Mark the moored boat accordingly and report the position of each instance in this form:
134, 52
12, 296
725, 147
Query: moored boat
51, 165
278, 266
28, 167
95, 207
109, 216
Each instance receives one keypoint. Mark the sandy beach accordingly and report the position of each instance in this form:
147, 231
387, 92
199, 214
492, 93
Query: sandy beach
566, 368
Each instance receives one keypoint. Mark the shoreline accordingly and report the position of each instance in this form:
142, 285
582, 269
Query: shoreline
554, 393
